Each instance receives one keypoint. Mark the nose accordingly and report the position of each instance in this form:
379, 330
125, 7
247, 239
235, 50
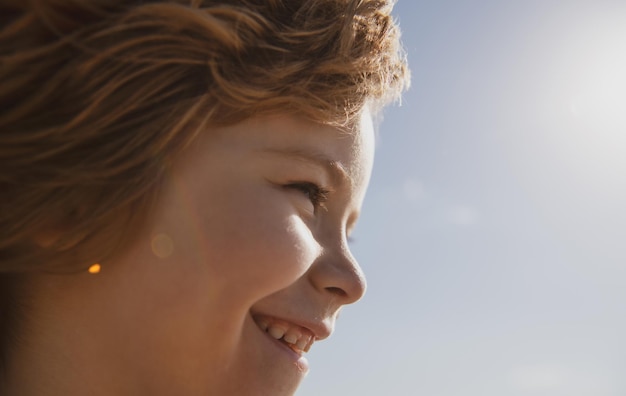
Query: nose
337, 273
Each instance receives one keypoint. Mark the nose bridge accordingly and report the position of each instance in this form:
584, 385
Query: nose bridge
337, 272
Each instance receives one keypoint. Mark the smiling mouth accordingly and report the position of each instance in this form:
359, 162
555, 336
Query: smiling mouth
297, 338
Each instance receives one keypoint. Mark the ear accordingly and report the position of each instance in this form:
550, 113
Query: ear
56, 229
47, 239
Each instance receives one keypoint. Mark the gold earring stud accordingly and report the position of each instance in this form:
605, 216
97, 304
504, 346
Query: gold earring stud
94, 269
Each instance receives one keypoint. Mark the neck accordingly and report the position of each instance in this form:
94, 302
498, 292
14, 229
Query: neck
53, 352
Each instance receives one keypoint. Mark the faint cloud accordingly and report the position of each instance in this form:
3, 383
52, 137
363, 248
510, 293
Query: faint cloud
462, 215
413, 190
538, 377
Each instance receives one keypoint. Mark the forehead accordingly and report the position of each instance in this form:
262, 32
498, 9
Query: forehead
293, 136
348, 152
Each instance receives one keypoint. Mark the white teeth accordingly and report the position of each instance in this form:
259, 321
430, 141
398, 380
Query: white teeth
295, 337
302, 343
292, 336
310, 344
276, 332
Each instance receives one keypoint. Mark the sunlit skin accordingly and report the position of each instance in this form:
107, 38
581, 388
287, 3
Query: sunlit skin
238, 233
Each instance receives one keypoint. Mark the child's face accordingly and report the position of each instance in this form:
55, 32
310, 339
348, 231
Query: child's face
239, 243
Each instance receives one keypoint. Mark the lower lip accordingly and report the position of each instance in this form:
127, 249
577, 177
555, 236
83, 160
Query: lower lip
299, 361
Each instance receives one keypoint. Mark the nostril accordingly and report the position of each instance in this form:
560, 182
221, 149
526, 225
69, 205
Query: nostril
337, 291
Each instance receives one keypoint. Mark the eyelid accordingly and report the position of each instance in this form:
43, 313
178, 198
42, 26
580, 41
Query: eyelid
333, 170
317, 194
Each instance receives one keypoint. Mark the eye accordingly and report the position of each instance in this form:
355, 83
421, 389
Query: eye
316, 194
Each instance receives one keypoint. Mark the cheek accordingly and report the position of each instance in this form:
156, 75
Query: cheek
252, 243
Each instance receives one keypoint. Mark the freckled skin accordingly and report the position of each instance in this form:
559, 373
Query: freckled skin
241, 243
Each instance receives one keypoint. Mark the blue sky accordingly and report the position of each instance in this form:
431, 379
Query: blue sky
494, 232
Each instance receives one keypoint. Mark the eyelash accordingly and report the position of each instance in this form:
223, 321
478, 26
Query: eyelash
316, 194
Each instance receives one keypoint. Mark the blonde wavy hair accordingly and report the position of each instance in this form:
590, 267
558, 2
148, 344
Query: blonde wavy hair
97, 97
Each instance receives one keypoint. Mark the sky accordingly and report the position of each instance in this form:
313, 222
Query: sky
493, 235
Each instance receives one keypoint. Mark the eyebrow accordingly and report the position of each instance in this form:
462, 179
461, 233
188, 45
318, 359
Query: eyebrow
336, 169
